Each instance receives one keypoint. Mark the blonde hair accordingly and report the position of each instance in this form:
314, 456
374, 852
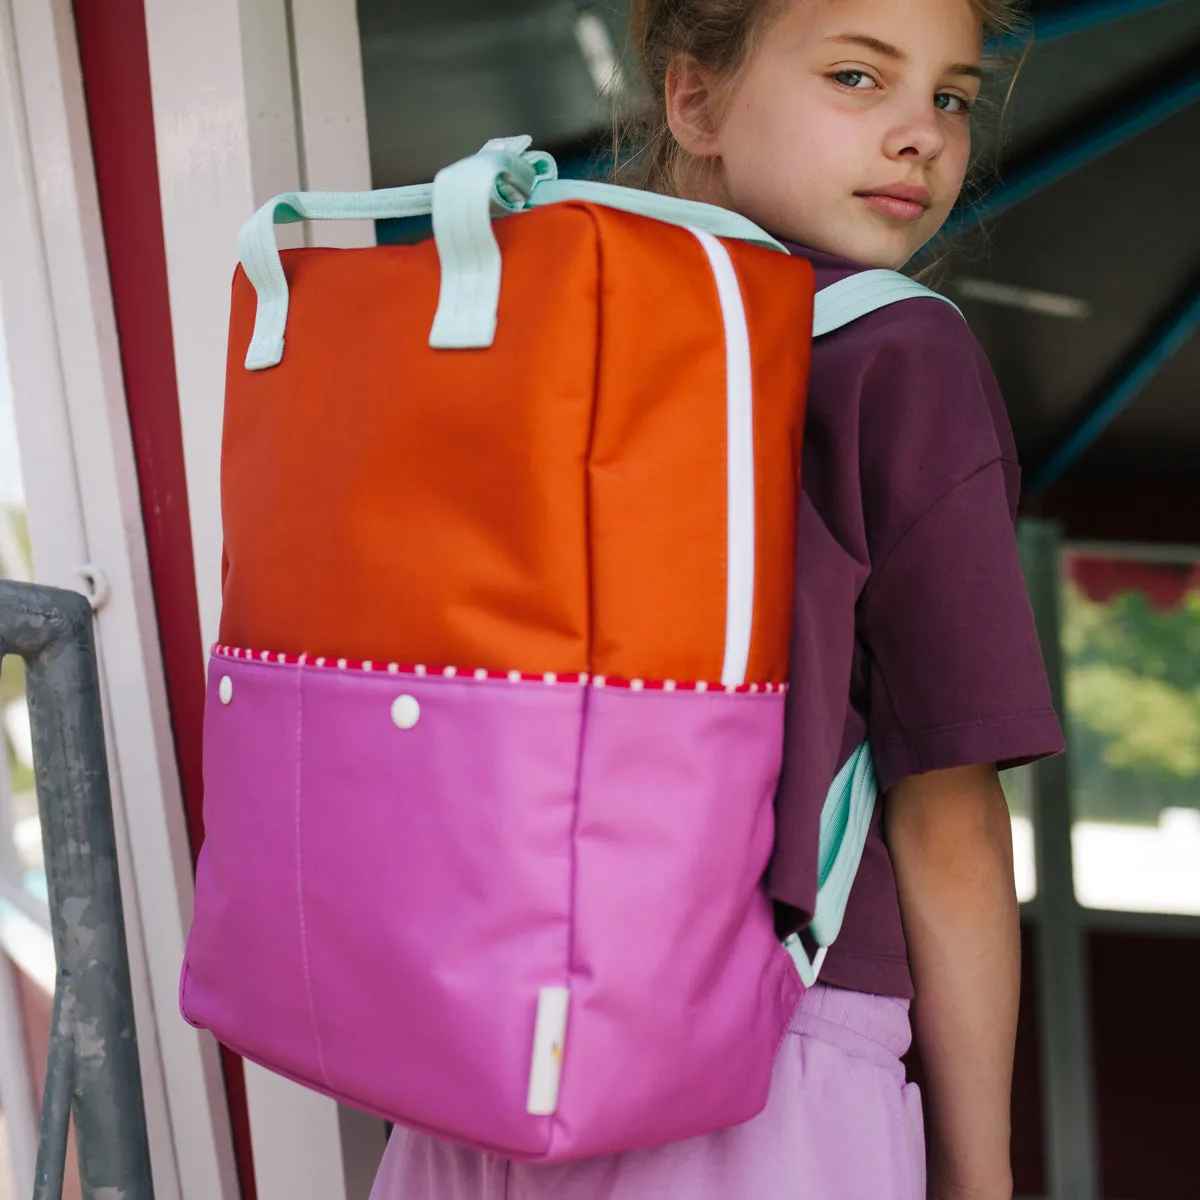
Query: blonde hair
721, 35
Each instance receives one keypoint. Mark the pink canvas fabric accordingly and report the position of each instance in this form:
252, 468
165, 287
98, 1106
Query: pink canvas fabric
841, 1124
378, 907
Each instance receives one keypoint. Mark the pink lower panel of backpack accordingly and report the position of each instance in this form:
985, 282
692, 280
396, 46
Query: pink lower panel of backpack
398, 869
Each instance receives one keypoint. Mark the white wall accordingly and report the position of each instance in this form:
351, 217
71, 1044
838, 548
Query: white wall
12, 487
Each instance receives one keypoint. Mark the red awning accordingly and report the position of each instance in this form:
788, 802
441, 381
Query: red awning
1163, 584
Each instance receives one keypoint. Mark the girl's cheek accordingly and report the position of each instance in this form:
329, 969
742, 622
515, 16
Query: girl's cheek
959, 158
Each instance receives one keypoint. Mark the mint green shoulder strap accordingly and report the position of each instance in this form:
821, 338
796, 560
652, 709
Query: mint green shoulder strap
846, 815
864, 292
845, 819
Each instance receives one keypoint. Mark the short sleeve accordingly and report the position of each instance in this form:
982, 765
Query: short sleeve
954, 670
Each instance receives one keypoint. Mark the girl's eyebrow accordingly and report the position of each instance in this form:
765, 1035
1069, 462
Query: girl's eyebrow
894, 52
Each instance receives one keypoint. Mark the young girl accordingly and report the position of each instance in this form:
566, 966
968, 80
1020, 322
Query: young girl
844, 127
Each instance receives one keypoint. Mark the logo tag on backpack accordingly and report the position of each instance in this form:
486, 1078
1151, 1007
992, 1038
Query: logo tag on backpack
549, 1034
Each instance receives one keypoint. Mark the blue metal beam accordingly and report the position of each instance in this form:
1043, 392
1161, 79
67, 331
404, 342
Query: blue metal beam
1080, 149
1079, 18
1161, 343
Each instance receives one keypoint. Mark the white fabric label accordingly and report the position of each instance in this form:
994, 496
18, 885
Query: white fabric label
549, 1036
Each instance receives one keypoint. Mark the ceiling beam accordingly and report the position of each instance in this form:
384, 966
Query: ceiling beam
1161, 342
1081, 146
1078, 18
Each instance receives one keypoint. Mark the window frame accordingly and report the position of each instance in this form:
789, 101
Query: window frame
1062, 924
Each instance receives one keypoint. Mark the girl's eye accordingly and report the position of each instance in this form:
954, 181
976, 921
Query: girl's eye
853, 79
955, 105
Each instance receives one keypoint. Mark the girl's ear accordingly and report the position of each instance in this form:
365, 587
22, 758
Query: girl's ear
691, 106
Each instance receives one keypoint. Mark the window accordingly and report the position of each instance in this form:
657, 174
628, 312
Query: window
21, 863
1131, 650
1018, 790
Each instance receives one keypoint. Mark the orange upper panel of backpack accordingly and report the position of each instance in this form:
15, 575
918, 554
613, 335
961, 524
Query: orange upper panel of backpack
556, 502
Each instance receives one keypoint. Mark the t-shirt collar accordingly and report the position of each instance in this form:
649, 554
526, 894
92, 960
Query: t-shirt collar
819, 258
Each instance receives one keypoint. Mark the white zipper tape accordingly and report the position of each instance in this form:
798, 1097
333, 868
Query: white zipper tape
739, 406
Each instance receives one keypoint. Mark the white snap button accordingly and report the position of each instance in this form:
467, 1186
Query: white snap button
225, 689
406, 712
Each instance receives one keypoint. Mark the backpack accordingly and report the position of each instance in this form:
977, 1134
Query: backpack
495, 719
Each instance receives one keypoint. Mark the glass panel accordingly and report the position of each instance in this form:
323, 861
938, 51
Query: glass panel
440, 80
1018, 790
473, 72
21, 862
1131, 642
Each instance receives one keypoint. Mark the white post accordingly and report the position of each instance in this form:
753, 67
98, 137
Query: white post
252, 98
226, 141
227, 127
1066, 1058
334, 153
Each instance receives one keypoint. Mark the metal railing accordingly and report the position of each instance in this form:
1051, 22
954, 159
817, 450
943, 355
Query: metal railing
92, 1065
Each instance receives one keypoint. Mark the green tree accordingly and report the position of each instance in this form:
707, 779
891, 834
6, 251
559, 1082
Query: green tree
1133, 704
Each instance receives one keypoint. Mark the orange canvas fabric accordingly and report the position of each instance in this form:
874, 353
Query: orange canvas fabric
554, 502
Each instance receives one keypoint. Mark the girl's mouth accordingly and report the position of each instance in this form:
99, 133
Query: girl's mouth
898, 204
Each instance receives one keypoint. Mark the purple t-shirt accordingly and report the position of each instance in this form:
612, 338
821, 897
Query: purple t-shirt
912, 626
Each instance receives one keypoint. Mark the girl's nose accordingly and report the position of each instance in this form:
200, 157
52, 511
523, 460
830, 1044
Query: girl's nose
917, 134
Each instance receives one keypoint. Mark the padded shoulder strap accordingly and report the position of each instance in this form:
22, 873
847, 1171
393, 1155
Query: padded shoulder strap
845, 821
863, 293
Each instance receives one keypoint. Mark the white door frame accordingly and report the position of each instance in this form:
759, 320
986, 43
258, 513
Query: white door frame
252, 98
233, 128
86, 524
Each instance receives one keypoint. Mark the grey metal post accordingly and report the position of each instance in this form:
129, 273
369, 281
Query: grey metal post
92, 1065
1062, 983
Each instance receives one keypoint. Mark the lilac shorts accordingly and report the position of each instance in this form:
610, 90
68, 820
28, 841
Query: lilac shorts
841, 1124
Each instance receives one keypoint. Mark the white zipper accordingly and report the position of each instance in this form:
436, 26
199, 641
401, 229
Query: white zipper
739, 469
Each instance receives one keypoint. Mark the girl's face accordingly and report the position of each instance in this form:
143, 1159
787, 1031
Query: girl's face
848, 130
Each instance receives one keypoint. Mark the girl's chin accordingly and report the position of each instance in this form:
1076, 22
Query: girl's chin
871, 244
889, 248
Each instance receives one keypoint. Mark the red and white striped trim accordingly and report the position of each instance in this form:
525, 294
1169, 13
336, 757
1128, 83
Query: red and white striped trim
581, 679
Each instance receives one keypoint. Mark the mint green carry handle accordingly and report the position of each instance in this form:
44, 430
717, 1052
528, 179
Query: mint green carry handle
470, 256
260, 254
466, 196
504, 177
463, 199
